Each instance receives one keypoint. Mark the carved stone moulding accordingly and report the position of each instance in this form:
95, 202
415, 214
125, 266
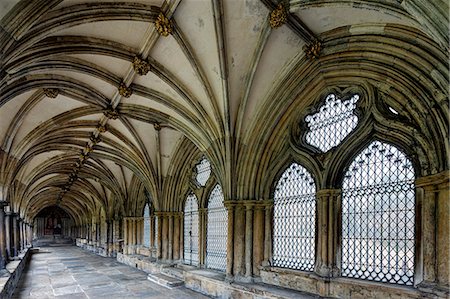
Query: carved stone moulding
83, 157
88, 149
51, 92
157, 126
313, 49
163, 25
278, 16
102, 128
111, 113
141, 67
125, 91
95, 139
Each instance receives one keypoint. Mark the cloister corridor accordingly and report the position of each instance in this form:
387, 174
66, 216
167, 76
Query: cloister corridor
69, 272
235, 149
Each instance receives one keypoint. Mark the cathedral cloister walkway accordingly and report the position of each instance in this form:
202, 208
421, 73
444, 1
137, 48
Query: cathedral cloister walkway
70, 272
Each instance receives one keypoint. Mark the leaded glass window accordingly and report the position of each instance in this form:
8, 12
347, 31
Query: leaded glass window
294, 220
147, 225
203, 170
334, 121
217, 228
191, 230
378, 199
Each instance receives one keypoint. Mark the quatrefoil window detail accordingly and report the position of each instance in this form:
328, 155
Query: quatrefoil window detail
334, 121
203, 169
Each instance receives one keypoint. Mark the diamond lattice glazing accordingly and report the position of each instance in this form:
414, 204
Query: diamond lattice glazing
147, 226
191, 230
217, 228
294, 220
378, 202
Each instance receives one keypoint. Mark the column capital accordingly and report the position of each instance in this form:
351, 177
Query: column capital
166, 213
248, 202
328, 192
438, 181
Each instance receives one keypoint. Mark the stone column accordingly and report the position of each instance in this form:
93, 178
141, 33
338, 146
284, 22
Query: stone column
25, 234
327, 252
170, 247
258, 237
111, 238
132, 234
230, 240
159, 239
3, 254
97, 235
30, 235
202, 219
139, 230
181, 236
432, 230
176, 237
165, 239
152, 231
108, 238
8, 234
21, 234
248, 240
16, 234
88, 233
239, 241
125, 235
267, 234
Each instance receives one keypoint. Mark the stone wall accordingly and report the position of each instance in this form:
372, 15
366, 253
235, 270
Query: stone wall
342, 287
15, 268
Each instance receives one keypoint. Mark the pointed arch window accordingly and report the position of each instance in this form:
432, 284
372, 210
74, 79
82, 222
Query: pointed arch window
334, 121
217, 228
294, 220
378, 212
191, 230
147, 225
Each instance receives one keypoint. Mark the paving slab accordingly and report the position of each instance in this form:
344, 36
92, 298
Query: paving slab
68, 272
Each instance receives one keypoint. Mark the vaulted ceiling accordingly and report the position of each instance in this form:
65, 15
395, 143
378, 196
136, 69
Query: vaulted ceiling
96, 105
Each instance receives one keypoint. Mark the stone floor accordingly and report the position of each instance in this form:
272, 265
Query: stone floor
69, 272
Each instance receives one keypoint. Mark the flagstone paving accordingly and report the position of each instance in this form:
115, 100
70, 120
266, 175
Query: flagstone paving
70, 272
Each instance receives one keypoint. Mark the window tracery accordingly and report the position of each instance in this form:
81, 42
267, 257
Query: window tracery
203, 171
334, 121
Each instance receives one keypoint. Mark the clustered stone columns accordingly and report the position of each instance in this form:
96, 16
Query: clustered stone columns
432, 227
169, 235
15, 235
8, 233
327, 251
3, 254
249, 238
133, 230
